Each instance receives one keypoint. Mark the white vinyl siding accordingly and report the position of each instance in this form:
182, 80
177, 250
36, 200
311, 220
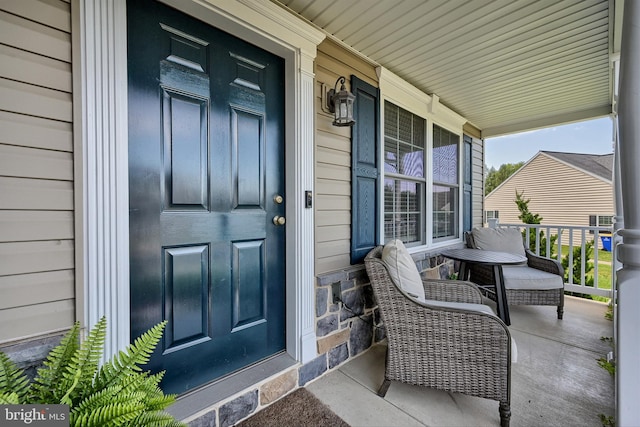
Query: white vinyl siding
332, 198
36, 169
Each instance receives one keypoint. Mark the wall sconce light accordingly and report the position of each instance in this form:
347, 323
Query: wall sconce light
341, 104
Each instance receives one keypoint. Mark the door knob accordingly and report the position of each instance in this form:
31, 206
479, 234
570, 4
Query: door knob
279, 220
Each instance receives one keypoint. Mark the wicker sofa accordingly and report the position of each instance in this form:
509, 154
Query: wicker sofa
447, 340
540, 282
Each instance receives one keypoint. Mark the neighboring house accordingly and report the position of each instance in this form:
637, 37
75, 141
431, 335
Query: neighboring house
563, 188
174, 161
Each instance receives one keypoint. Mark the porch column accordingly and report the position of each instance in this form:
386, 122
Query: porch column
100, 119
301, 248
628, 334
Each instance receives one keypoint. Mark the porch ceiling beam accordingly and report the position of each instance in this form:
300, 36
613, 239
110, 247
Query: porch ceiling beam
547, 121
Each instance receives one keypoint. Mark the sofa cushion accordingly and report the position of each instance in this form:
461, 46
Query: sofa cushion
499, 239
523, 277
402, 268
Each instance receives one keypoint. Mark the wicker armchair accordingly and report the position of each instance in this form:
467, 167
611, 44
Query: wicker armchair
522, 296
434, 345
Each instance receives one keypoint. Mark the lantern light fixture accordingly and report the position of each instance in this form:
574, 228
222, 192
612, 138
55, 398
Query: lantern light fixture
341, 104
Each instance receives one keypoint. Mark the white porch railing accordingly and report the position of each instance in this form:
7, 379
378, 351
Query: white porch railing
569, 238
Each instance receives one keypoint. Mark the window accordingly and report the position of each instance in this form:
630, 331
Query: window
445, 183
490, 215
605, 220
408, 185
404, 182
600, 221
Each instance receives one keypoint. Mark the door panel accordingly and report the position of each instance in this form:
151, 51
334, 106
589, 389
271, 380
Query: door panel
206, 158
185, 135
186, 276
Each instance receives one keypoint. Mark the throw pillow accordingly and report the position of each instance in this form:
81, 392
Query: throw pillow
402, 268
499, 239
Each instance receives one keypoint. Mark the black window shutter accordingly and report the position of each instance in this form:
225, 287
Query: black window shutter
467, 207
365, 136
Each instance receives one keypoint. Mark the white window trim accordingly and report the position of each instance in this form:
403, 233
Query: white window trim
101, 156
401, 93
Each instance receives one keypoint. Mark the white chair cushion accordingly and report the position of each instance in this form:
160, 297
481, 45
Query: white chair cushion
499, 239
402, 268
523, 277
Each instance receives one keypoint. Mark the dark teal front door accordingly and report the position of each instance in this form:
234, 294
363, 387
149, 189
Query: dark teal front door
206, 179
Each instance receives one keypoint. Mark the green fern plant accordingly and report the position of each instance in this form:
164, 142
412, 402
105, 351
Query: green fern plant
117, 393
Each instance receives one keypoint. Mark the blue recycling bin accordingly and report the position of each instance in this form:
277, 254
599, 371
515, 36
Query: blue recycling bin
606, 242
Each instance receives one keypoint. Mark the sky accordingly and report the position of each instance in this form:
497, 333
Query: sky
589, 137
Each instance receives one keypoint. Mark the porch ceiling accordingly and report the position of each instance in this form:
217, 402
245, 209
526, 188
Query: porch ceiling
507, 66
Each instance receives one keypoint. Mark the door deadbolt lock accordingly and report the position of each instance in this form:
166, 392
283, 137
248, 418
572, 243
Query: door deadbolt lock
279, 220
278, 199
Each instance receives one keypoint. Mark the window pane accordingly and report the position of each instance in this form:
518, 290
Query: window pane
411, 160
445, 208
404, 154
390, 156
390, 120
402, 210
445, 156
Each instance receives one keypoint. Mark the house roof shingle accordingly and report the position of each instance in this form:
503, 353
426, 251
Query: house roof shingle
600, 165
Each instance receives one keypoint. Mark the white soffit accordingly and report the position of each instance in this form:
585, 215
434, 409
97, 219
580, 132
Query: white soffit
507, 66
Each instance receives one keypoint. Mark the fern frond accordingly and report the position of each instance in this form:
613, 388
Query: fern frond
110, 415
10, 399
146, 383
81, 371
156, 419
127, 361
13, 379
158, 403
46, 386
101, 398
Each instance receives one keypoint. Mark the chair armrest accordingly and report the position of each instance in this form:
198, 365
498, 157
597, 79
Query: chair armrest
544, 264
452, 291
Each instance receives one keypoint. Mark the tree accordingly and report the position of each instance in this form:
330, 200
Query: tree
527, 217
496, 177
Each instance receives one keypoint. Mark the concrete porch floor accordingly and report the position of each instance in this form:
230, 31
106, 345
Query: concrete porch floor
555, 382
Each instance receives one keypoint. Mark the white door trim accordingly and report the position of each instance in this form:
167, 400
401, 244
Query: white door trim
102, 151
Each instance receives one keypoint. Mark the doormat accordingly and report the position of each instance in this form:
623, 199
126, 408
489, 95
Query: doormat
298, 409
